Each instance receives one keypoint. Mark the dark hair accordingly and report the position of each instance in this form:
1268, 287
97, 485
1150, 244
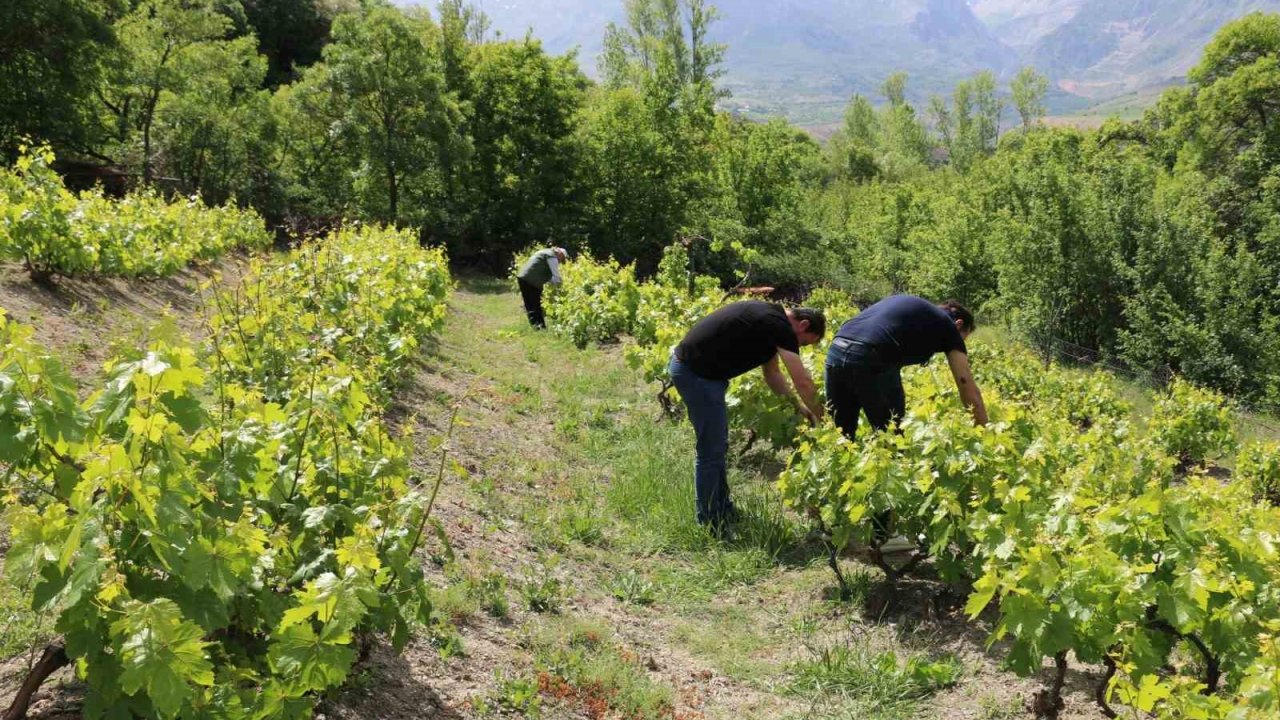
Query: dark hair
959, 312
817, 321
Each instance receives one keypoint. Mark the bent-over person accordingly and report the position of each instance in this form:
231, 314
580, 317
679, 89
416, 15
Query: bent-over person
733, 340
541, 268
865, 361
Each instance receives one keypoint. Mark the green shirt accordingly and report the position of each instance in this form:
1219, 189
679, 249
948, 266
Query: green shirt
541, 269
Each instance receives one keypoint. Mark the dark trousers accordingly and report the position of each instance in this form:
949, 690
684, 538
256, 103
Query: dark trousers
857, 382
532, 296
709, 415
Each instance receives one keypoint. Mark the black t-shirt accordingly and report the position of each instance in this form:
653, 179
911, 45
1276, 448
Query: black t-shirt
907, 330
736, 338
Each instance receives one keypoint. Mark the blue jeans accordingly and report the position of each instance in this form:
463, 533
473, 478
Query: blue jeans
709, 416
859, 381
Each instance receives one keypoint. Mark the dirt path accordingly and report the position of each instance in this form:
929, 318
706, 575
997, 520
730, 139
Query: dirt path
83, 321
508, 461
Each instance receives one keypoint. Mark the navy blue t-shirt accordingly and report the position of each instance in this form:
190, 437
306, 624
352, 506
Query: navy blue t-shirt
907, 330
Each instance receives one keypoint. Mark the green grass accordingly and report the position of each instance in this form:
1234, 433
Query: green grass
872, 683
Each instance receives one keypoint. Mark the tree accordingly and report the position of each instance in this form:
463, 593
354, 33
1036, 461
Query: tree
52, 54
636, 206
904, 143
1029, 88
524, 176
157, 36
664, 54
291, 33
943, 121
767, 166
1236, 45
990, 108
216, 131
853, 148
396, 126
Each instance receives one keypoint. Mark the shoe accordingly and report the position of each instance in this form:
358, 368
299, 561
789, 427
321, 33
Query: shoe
897, 544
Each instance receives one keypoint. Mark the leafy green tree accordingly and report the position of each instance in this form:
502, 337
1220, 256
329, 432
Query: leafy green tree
157, 37
768, 166
1029, 88
665, 56
1056, 264
990, 108
52, 54
292, 33
315, 163
524, 176
904, 143
215, 129
383, 84
631, 169
853, 148
1236, 45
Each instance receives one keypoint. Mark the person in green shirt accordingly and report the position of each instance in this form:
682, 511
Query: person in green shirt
542, 268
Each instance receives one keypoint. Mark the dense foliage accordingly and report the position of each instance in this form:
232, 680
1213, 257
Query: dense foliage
1092, 535
217, 527
1115, 541
54, 232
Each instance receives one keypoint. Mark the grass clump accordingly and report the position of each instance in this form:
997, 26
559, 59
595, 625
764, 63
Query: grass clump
579, 663
879, 684
633, 589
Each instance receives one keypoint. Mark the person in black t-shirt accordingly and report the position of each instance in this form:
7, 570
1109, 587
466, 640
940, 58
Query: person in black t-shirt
866, 357
733, 340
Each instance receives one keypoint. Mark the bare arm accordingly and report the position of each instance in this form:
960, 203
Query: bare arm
805, 387
778, 384
970, 395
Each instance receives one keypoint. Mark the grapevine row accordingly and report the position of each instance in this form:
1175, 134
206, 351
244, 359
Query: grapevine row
1117, 544
1120, 543
218, 528
55, 232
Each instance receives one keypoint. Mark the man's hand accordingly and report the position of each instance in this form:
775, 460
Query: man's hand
807, 414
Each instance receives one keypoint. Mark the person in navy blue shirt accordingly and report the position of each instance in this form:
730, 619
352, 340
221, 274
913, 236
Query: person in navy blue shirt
868, 353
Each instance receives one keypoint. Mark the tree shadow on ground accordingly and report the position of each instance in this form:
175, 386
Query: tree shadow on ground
480, 284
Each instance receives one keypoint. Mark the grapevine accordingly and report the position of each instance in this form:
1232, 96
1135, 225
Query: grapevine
218, 528
55, 232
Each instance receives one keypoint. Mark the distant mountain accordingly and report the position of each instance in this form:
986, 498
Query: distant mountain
801, 58
1111, 46
1021, 23
805, 58
1101, 49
